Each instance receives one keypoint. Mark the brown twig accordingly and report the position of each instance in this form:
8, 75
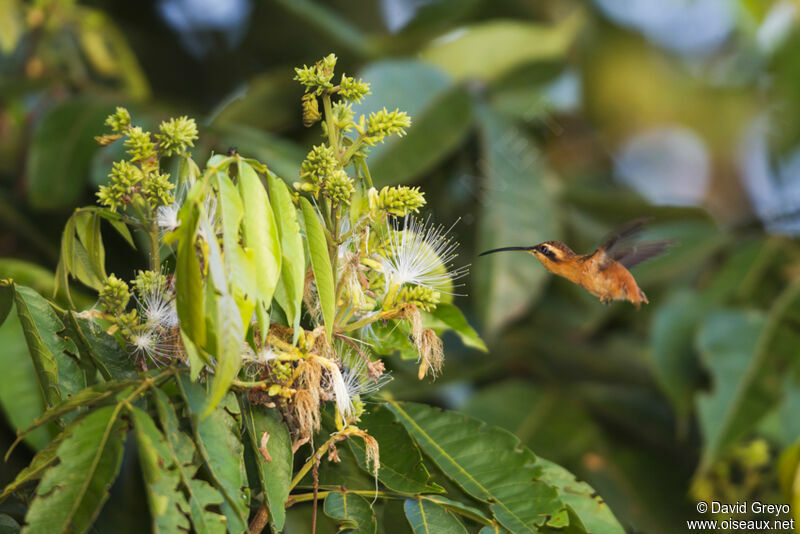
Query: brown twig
260, 520
315, 473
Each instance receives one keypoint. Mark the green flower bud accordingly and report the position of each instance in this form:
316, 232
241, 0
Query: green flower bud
157, 189
176, 135
125, 177
342, 113
352, 90
119, 121
400, 200
148, 283
311, 112
317, 78
383, 124
114, 295
281, 371
319, 164
424, 298
140, 144
339, 187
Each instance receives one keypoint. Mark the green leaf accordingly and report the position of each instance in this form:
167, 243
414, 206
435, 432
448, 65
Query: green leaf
168, 505
591, 509
181, 449
749, 358
672, 336
230, 338
20, 394
330, 23
487, 462
517, 210
260, 232
293, 267
426, 517
549, 421
448, 317
353, 512
217, 439
87, 228
8, 525
59, 375
84, 398
320, 263
265, 102
82, 251
240, 266
441, 116
727, 342
401, 468
103, 350
196, 362
457, 507
61, 151
70, 495
43, 460
266, 429
488, 50
188, 278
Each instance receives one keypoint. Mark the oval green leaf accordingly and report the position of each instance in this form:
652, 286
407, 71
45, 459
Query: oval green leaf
320, 263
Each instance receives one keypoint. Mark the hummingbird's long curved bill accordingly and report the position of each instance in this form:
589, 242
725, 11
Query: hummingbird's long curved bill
503, 250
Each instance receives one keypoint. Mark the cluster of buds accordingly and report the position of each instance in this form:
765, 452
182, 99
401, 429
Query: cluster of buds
151, 327
398, 201
323, 173
137, 182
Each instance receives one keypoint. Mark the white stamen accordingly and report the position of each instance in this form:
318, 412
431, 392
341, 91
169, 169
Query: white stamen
157, 306
421, 253
149, 342
344, 401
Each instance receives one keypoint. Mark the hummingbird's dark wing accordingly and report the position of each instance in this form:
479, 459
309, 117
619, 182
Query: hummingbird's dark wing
625, 235
621, 245
640, 252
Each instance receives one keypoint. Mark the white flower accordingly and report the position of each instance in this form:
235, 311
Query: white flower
157, 307
167, 217
263, 356
152, 343
421, 253
353, 381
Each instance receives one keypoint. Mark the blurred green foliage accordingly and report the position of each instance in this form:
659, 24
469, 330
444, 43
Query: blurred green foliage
519, 109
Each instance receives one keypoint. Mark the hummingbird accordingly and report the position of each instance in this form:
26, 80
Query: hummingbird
603, 273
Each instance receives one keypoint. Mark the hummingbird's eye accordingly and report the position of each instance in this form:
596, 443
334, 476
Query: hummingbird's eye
544, 249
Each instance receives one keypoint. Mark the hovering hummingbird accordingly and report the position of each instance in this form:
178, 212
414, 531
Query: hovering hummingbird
603, 273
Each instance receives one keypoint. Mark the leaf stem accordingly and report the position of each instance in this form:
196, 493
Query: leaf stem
155, 248
333, 131
367, 175
352, 149
338, 436
305, 497
369, 319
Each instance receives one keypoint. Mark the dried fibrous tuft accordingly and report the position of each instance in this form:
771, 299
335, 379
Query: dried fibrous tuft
307, 398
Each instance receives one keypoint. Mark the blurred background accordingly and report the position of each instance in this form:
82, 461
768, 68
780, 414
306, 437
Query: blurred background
532, 120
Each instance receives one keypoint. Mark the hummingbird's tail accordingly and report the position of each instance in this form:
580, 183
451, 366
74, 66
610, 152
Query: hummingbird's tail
503, 250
